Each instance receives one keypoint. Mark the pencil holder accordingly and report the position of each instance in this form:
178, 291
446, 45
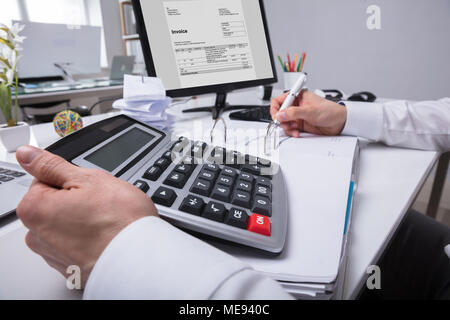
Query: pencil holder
289, 79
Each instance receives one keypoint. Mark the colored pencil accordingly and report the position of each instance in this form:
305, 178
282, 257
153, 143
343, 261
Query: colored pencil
300, 64
294, 63
289, 63
287, 67
303, 61
282, 63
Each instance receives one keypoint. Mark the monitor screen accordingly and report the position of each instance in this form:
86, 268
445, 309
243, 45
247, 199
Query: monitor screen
77, 49
198, 43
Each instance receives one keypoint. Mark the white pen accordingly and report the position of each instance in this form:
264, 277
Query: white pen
295, 91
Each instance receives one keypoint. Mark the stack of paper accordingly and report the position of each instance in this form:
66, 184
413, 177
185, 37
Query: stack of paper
145, 99
320, 175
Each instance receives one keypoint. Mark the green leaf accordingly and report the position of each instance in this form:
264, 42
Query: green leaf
5, 101
7, 42
6, 62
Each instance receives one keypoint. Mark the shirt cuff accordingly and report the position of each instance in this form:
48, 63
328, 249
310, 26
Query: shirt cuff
364, 120
151, 259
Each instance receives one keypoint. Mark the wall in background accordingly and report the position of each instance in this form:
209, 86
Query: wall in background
111, 25
408, 58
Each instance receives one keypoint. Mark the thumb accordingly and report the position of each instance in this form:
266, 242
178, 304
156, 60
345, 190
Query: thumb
44, 166
294, 113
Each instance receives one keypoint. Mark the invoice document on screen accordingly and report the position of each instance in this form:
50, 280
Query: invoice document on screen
216, 42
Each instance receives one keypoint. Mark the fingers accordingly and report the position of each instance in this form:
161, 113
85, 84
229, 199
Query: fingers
292, 128
276, 103
34, 204
294, 113
44, 166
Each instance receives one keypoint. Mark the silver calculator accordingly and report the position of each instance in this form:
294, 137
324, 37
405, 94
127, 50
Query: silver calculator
198, 187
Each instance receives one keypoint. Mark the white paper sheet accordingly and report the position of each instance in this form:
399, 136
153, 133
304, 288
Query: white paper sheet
318, 174
138, 88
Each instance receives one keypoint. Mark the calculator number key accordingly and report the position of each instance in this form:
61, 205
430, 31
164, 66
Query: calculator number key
241, 199
262, 206
176, 179
225, 181
221, 193
201, 187
262, 191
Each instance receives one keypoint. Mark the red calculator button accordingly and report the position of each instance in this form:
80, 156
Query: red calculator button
259, 224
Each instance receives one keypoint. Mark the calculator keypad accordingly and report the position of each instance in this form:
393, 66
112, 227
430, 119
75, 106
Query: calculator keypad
237, 185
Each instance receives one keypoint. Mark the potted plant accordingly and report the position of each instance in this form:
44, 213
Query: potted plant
13, 134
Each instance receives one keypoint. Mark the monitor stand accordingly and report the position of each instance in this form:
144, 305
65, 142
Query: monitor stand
221, 106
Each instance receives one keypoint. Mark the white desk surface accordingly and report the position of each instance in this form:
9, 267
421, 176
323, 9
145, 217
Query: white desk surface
389, 180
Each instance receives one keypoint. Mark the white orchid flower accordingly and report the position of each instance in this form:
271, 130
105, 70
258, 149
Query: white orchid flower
13, 35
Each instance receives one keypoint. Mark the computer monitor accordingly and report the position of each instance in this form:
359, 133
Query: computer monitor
76, 48
206, 46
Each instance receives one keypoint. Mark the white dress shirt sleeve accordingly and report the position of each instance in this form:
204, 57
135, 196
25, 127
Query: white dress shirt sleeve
151, 259
419, 125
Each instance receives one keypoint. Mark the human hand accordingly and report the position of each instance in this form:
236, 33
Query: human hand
309, 113
73, 213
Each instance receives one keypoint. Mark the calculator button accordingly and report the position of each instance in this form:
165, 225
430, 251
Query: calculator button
251, 159
246, 177
264, 182
221, 193
244, 186
215, 211
262, 206
229, 172
259, 224
2, 171
201, 187
176, 179
184, 140
264, 162
198, 149
193, 205
167, 155
164, 196
252, 168
17, 174
234, 159
212, 167
219, 151
5, 178
226, 181
190, 160
153, 173
184, 168
263, 191
178, 147
241, 199
217, 159
237, 218
142, 185
163, 163
207, 175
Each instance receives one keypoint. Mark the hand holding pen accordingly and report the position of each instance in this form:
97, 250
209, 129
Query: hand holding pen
309, 113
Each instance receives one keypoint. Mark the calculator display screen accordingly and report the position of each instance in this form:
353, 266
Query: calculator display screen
113, 154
